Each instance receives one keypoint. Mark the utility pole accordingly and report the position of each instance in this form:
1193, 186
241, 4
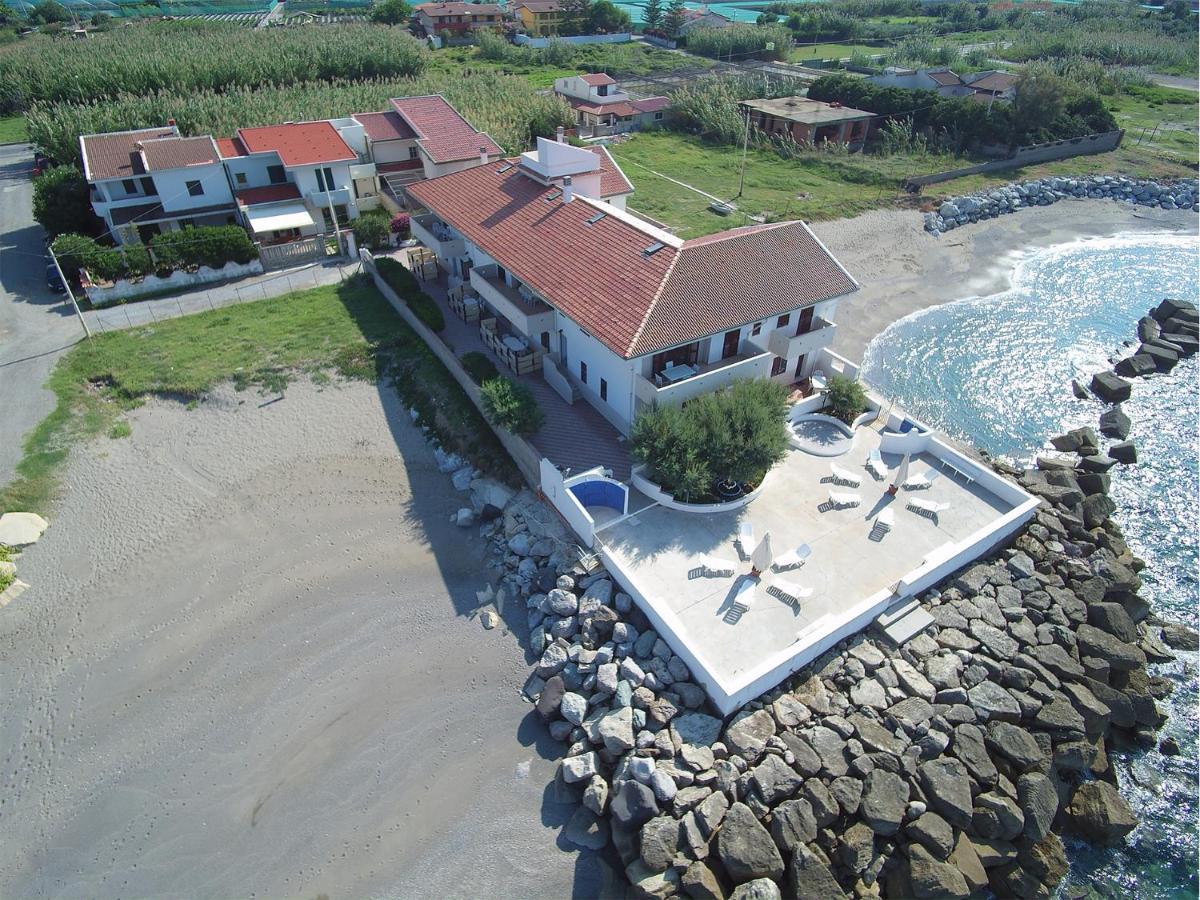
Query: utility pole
745, 147
58, 268
337, 233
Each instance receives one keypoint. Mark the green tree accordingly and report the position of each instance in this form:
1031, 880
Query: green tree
47, 12
511, 406
652, 16
1037, 102
608, 18
61, 202
371, 229
845, 397
576, 14
101, 21
391, 12
673, 19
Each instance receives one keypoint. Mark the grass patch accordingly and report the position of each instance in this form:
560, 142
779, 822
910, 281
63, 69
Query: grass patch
120, 429
12, 130
347, 328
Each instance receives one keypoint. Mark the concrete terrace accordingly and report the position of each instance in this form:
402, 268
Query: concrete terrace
657, 547
575, 436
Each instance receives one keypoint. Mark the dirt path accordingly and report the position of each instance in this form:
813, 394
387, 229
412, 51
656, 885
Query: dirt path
246, 668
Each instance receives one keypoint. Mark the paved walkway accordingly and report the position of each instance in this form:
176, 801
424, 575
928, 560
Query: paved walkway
575, 436
244, 290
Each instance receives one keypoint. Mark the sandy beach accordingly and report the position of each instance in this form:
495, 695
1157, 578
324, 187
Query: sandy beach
247, 667
902, 269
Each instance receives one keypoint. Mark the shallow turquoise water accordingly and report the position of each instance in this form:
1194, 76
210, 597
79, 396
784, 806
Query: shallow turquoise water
995, 372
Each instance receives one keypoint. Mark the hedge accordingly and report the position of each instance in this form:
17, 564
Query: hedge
211, 246
479, 367
511, 406
408, 289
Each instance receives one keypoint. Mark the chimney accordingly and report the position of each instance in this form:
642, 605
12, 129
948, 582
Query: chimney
483, 155
568, 192
560, 135
171, 122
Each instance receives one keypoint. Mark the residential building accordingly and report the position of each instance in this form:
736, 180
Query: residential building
613, 309
601, 107
539, 18
983, 86
456, 18
702, 17
993, 85
151, 180
809, 121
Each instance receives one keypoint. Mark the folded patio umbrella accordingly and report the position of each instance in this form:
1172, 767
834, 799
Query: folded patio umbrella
901, 475
762, 556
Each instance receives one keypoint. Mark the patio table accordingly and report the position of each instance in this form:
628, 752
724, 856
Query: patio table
515, 344
678, 373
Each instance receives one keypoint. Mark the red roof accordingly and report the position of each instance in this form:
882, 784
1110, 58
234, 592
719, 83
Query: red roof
652, 104
385, 126
272, 193
612, 179
299, 143
442, 133
597, 271
178, 153
598, 79
230, 147
620, 108
997, 82
945, 77
115, 155
436, 10
403, 165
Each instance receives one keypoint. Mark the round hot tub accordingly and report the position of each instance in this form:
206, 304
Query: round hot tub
821, 435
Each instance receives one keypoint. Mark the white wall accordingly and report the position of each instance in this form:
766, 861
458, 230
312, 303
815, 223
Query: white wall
253, 167
173, 193
392, 151
433, 170
601, 363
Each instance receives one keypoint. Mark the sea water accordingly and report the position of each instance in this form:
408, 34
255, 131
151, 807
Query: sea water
996, 373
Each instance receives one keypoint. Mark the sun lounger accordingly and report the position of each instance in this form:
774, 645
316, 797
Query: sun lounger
745, 538
883, 524
793, 559
790, 591
876, 465
929, 508
713, 567
841, 499
744, 598
841, 476
922, 481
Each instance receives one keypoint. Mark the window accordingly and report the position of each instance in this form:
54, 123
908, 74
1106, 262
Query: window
756, 329
778, 366
602, 90
603, 390
195, 188
148, 187
240, 178
276, 174
325, 179
783, 320
583, 372
413, 152
657, 116
130, 186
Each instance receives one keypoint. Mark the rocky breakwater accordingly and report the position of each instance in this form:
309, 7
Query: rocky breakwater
956, 211
946, 767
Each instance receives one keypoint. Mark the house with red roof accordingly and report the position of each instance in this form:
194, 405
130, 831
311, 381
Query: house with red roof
602, 108
612, 308
150, 180
456, 18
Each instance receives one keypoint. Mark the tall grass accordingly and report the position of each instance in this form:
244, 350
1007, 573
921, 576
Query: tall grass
194, 56
741, 41
506, 107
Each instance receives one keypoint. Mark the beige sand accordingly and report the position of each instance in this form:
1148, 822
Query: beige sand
246, 668
902, 269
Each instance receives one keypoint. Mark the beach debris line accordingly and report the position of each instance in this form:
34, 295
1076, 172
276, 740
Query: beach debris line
944, 767
956, 211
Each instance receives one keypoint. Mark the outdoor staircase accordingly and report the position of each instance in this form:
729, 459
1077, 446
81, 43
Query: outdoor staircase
904, 621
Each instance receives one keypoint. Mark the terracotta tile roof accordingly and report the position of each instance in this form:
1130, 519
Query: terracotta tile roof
230, 148
612, 179
271, 193
598, 79
945, 77
442, 133
299, 143
115, 155
620, 108
652, 104
599, 274
436, 10
385, 126
998, 82
403, 165
178, 153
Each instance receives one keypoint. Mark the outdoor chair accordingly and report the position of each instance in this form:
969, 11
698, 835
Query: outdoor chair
876, 465
742, 600
712, 567
839, 499
789, 591
841, 476
793, 559
882, 525
921, 482
745, 539
928, 508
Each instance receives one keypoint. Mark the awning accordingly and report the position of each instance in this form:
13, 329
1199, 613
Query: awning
279, 217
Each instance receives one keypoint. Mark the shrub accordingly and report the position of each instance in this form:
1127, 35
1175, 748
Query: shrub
401, 226
61, 202
408, 289
845, 398
390, 12
512, 406
426, 309
211, 246
734, 435
78, 251
479, 367
371, 229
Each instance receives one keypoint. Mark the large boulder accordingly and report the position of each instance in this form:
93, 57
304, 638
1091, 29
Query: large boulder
1111, 387
758, 889
948, 788
775, 780
748, 734
696, 729
931, 877
1114, 423
20, 529
1038, 799
884, 800
746, 849
809, 876
634, 805
660, 842
1098, 812
1014, 744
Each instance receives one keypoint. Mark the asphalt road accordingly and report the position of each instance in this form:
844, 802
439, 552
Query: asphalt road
36, 326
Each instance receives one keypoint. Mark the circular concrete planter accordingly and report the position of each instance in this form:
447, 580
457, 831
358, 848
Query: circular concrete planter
660, 496
837, 448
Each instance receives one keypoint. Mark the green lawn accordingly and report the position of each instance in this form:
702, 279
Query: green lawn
348, 329
12, 130
833, 51
1159, 120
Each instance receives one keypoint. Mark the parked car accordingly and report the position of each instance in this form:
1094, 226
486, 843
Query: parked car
53, 281
42, 163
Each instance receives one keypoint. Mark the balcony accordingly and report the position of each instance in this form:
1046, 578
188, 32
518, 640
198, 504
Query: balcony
528, 316
437, 236
708, 378
786, 345
339, 197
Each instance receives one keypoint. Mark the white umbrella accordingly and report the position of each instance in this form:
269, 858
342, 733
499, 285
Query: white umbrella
761, 558
901, 475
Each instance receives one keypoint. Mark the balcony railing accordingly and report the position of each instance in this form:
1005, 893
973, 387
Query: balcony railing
436, 235
708, 377
789, 346
514, 351
528, 316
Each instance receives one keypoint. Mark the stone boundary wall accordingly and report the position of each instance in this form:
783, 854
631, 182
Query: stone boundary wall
124, 289
1024, 156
